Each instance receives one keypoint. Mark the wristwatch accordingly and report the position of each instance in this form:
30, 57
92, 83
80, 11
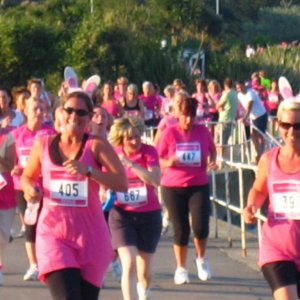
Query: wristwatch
89, 171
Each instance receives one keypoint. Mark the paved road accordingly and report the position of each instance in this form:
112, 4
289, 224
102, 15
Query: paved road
234, 277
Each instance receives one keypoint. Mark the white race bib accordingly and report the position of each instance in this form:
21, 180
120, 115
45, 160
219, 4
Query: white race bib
286, 200
188, 154
136, 194
149, 114
68, 190
3, 182
24, 155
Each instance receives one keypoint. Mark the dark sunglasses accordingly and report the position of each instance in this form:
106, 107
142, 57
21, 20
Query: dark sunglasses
287, 126
78, 112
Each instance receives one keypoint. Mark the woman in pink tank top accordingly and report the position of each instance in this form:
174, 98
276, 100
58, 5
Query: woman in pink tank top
278, 179
135, 221
73, 243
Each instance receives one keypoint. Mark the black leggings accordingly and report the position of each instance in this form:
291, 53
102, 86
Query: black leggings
184, 200
67, 284
30, 230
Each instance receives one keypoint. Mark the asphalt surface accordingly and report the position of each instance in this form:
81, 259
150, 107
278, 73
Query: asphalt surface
234, 277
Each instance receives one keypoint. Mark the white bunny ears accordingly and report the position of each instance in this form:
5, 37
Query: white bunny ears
286, 90
88, 86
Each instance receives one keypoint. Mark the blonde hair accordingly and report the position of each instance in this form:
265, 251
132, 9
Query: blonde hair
123, 127
214, 83
287, 105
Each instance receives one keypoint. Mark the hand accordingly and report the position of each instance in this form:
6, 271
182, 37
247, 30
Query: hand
173, 161
75, 167
5, 122
33, 194
249, 214
16, 171
212, 165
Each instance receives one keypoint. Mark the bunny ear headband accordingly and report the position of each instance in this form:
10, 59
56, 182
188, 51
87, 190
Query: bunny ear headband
286, 90
88, 87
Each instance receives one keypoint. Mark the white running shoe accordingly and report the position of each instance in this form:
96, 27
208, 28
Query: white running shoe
142, 293
31, 274
181, 276
203, 269
116, 270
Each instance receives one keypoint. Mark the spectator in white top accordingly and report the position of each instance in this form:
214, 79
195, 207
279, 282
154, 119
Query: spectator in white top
250, 51
255, 110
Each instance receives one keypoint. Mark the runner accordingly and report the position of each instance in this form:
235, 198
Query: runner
135, 222
278, 179
183, 150
73, 243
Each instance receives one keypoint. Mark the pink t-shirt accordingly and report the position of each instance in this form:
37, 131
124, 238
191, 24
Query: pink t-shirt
71, 230
112, 108
192, 149
140, 197
24, 140
273, 100
152, 106
281, 232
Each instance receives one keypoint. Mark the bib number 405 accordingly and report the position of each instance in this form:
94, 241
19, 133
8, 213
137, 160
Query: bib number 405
69, 190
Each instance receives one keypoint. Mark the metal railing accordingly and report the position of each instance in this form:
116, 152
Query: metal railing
239, 158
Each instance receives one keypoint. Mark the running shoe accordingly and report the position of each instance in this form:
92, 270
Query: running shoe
142, 293
203, 269
181, 276
31, 274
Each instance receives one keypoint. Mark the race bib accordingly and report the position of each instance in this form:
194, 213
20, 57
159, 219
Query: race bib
24, 155
136, 194
68, 190
3, 182
188, 154
149, 114
286, 200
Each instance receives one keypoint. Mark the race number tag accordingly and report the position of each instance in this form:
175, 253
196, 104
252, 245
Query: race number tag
68, 190
136, 194
3, 182
24, 155
149, 114
286, 200
188, 154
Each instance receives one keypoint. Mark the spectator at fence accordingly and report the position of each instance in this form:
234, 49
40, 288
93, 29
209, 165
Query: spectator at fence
254, 109
227, 107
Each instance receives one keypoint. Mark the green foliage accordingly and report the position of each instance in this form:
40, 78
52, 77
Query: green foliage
275, 25
27, 46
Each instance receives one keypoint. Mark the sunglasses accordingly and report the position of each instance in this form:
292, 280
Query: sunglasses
78, 112
287, 126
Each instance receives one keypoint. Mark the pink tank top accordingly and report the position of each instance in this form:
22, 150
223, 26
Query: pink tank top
140, 197
24, 140
281, 232
72, 219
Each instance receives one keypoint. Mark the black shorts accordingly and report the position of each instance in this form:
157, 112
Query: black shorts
139, 229
280, 274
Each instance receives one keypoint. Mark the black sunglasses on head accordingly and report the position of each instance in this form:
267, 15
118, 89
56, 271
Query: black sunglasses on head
78, 112
287, 126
